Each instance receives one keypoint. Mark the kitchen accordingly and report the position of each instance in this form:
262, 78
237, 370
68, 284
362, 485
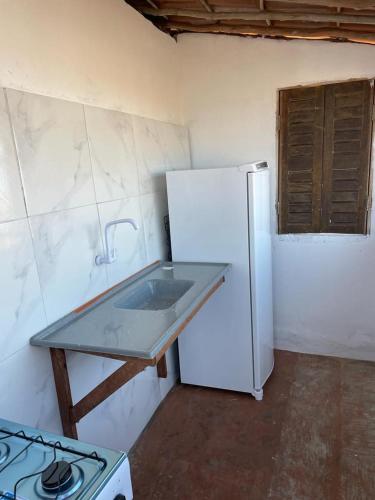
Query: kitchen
76, 75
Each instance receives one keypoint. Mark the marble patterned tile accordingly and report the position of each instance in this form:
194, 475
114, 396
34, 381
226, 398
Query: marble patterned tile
27, 390
160, 147
119, 420
87, 371
66, 244
22, 312
12, 205
154, 209
130, 245
112, 151
53, 152
176, 142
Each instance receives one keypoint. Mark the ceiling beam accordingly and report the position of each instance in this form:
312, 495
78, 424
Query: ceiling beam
153, 4
344, 4
261, 8
313, 34
261, 16
205, 5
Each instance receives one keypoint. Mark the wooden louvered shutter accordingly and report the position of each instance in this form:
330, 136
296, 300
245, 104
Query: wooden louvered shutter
346, 157
300, 159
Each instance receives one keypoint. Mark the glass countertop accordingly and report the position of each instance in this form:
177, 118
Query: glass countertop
104, 327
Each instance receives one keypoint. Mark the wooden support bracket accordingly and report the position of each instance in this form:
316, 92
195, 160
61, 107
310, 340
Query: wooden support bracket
72, 413
162, 367
106, 388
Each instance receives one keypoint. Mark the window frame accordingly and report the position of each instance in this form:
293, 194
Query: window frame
370, 178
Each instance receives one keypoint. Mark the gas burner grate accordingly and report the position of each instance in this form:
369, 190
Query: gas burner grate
53, 445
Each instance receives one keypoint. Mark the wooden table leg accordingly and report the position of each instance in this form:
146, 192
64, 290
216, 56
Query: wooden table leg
162, 367
64, 395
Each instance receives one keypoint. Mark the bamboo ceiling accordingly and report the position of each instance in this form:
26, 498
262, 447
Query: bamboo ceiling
334, 20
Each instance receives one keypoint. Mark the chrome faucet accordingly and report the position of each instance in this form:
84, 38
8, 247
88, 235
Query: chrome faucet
110, 255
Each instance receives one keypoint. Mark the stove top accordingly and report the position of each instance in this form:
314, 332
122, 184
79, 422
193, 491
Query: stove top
41, 465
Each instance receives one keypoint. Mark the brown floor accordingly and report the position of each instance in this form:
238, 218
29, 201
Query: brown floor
312, 437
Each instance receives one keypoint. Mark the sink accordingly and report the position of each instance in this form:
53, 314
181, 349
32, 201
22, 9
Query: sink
155, 295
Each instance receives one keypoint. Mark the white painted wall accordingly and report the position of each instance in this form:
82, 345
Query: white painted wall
74, 168
105, 54
92, 51
324, 285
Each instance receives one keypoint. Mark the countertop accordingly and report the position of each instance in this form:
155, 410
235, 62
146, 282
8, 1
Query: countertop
103, 328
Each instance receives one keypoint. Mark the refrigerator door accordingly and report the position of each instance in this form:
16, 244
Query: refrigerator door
261, 274
208, 218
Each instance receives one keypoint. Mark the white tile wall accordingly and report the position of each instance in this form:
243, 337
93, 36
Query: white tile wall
80, 167
27, 392
12, 205
22, 312
53, 152
160, 147
66, 244
112, 151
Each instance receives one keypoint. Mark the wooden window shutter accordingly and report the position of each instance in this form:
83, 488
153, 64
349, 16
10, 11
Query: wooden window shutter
346, 157
300, 159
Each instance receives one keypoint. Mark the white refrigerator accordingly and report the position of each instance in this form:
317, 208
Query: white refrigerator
223, 215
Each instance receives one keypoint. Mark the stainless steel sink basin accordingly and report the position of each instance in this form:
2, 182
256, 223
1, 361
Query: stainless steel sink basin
155, 295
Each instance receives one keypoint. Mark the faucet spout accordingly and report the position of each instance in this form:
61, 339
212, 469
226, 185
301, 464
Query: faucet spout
110, 255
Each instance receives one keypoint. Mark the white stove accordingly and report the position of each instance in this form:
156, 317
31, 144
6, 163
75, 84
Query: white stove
38, 465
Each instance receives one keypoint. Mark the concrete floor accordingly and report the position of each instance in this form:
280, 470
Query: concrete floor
312, 437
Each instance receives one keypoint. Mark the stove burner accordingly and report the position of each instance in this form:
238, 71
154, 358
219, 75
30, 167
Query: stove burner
57, 477
71, 487
70, 472
4, 452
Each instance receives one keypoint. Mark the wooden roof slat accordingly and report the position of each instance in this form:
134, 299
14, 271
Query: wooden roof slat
349, 4
281, 6
333, 20
153, 4
308, 33
206, 6
261, 8
262, 16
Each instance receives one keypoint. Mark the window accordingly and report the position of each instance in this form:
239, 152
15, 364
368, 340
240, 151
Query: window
324, 158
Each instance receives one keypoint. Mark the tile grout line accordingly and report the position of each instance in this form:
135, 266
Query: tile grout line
95, 195
27, 218
14, 353
43, 214
92, 105
37, 270
141, 204
126, 198
15, 148
16, 151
